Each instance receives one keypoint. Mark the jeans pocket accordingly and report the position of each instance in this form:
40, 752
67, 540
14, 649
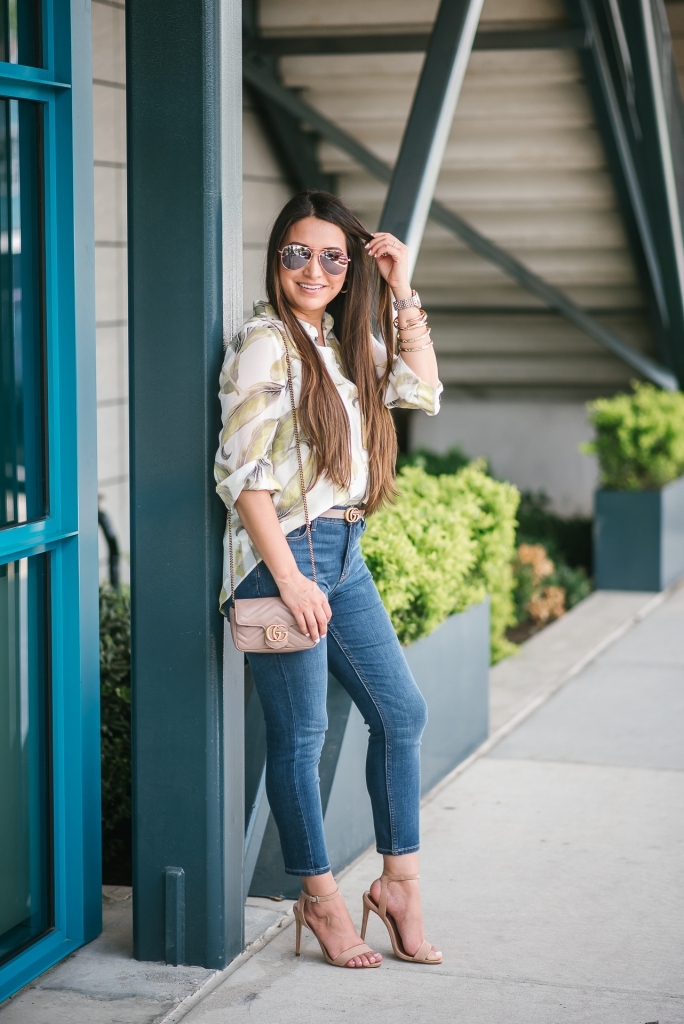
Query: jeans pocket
296, 535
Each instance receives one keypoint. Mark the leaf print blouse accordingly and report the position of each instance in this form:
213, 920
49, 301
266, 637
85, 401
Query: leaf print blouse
257, 449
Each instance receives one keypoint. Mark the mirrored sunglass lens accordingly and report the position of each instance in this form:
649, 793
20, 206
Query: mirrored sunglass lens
333, 262
294, 257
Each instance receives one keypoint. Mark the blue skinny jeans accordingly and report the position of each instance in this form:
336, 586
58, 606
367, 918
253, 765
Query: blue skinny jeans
362, 652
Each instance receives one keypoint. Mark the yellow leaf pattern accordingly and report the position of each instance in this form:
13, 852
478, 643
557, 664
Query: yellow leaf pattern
257, 448
283, 439
258, 443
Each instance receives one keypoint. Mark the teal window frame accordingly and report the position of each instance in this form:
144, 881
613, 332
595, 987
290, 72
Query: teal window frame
69, 530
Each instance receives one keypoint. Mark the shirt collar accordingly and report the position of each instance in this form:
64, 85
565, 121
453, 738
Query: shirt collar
262, 308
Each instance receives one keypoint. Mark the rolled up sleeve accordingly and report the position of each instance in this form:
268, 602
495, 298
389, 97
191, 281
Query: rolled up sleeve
253, 384
405, 389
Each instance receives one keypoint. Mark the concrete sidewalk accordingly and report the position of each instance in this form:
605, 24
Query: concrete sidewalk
553, 871
552, 867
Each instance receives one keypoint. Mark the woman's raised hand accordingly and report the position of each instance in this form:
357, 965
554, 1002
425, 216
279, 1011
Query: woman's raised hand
391, 257
307, 602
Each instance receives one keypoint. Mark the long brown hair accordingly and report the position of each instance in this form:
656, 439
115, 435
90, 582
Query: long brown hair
322, 416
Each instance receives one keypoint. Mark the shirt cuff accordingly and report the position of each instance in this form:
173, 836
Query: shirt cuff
253, 476
410, 392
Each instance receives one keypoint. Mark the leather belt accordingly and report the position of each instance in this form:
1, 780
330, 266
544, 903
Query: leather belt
350, 515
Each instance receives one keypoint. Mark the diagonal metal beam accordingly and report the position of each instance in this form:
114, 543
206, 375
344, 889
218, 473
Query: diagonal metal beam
633, 85
303, 111
629, 170
295, 149
660, 66
553, 297
413, 42
510, 266
427, 130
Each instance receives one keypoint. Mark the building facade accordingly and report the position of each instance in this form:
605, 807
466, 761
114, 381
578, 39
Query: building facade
551, 263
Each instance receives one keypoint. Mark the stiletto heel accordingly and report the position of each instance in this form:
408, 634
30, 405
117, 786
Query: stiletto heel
423, 954
300, 921
364, 923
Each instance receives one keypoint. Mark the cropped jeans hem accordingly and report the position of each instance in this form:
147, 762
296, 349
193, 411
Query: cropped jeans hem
398, 853
308, 872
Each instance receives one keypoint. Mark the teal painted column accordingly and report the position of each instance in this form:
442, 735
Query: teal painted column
185, 275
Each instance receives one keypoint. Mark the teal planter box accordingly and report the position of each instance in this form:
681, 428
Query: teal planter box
639, 538
451, 667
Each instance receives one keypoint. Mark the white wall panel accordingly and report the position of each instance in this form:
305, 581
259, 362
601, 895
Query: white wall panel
534, 444
110, 204
265, 191
112, 366
111, 270
111, 282
109, 46
109, 123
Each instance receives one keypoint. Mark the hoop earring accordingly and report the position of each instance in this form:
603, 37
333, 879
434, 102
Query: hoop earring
343, 291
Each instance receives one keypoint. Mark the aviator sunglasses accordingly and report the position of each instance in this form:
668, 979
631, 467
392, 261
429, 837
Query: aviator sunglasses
332, 261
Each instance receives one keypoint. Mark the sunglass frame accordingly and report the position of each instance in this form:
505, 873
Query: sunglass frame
312, 253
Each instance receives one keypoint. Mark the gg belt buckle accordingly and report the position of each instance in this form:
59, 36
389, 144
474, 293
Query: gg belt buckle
352, 514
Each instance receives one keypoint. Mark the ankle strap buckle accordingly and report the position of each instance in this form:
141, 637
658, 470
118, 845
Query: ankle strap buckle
320, 899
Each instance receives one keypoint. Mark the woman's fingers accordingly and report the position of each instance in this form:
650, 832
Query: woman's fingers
321, 620
300, 619
312, 624
383, 243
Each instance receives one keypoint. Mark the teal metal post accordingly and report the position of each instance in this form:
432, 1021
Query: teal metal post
184, 99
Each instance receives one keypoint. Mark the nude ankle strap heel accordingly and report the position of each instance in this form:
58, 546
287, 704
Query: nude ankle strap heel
423, 954
300, 922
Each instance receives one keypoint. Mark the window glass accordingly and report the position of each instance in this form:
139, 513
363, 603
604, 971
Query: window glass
22, 413
20, 32
25, 849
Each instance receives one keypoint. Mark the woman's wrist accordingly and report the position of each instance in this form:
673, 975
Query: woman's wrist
403, 291
287, 576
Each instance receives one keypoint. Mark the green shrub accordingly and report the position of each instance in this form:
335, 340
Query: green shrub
574, 581
434, 463
567, 539
115, 711
639, 438
447, 542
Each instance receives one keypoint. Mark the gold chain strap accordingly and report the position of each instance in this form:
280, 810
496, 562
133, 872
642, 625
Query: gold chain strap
301, 478
230, 552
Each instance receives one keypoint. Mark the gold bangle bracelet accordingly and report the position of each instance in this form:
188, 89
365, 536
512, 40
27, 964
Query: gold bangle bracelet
418, 348
414, 341
416, 321
412, 326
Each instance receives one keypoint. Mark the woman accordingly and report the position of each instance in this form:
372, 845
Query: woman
322, 263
